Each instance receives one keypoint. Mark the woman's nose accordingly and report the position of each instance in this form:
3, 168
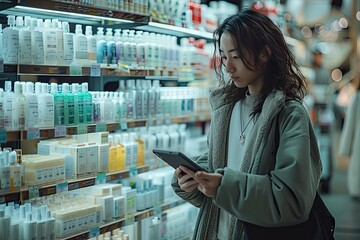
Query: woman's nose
230, 67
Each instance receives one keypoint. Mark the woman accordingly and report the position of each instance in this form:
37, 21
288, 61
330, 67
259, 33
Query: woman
263, 161
350, 142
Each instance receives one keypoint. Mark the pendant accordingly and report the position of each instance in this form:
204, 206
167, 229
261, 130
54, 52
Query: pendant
242, 138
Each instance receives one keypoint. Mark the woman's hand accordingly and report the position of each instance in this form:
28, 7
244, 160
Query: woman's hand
207, 183
185, 181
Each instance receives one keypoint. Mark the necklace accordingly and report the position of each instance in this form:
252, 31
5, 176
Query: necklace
242, 131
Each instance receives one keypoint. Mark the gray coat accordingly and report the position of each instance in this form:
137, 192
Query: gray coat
273, 187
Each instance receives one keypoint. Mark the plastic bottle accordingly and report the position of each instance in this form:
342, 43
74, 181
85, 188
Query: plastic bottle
111, 47
31, 106
127, 49
25, 55
50, 43
88, 108
2, 108
91, 44
46, 107
68, 44
59, 41
119, 44
37, 41
29, 228
147, 49
49, 226
140, 49
78, 103
132, 40
80, 47
9, 107
15, 171
59, 108
130, 98
1, 46
11, 42
101, 47
69, 108
19, 107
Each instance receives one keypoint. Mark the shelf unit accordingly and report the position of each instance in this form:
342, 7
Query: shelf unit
98, 75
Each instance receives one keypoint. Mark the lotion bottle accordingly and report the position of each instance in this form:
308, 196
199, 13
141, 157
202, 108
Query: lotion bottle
31, 106
19, 107
25, 56
91, 44
80, 46
59, 108
29, 228
9, 106
50, 43
46, 107
68, 44
11, 42
37, 41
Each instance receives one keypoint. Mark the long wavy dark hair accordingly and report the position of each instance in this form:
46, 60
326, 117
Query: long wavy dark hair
254, 32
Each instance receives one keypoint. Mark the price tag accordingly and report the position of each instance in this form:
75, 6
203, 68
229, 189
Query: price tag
62, 187
94, 232
100, 178
157, 209
3, 136
101, 127
33, 133
129, 219
95, 70
1, 65
82, 129
75, 70
123, 125
60, 131
167, 120
133, 171
33, 192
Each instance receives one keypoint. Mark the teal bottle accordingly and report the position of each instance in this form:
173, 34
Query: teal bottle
69, 106
88, 103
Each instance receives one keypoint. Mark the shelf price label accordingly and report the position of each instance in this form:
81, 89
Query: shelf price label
3, 136
33, 192
94, 232
101, 127
82, 129
129, 219
95, 70
133, 171
75, 70
33, 133
60, 131
62, 187
100, 178
123, 125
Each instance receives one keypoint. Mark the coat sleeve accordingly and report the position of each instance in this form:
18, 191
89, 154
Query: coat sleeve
347, 134
284, 195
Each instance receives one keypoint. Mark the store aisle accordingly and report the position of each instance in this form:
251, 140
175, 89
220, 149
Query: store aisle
345, 209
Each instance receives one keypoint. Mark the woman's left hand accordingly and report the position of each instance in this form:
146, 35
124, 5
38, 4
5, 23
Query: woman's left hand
208, 182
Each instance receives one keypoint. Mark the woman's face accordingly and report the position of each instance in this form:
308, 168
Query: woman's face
239, 73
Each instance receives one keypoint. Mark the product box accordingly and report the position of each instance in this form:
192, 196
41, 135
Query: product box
107, 203
103, 159
76, 159
92, 157
99, 137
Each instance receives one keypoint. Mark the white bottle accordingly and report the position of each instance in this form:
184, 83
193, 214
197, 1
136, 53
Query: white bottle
49, 226
11, 42
31, 106
119, 44
2, 108
40, 226
156, 87
111, 47
37, 41
155, 50
1, 46
127, 49
9, 107
91, 44
46, 107
29, 228
50, 43
5, 222
19, 107
15, 178
25, 55
68, 44
101, 47
140, 49
80, 47
132, 48
59, 41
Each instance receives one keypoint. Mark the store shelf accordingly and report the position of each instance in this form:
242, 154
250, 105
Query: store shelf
108, 227
49, 189
175, 30
62, 131
70, 12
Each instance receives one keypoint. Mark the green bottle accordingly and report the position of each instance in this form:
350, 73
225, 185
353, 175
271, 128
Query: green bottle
88, 103
78, 103
69, 106
59, 110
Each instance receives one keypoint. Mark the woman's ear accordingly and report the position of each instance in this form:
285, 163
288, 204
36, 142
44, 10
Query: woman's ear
265, 54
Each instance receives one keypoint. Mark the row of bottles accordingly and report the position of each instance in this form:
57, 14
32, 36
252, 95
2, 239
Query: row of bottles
140, 7
50, 42
42, 105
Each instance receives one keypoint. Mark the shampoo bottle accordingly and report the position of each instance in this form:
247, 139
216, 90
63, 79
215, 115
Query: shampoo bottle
59, 108
88, 106
29, 228
19, 107
101, 47
25, 56
37, 41
50, 43
80, 46
68, 44
11, 42
46, 107
69, 108
9, 106
78, 103
59, 41
31, 106
91, 44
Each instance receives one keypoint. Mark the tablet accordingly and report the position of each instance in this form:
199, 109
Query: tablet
175, 159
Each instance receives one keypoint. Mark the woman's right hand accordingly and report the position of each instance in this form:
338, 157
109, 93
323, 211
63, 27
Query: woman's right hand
185, 181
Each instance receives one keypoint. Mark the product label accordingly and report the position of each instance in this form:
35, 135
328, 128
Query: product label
33, 192
62, 187
101, 127
75, 70
60, 131
33, 133
82, 129
94, 232
100, 178
95, 70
